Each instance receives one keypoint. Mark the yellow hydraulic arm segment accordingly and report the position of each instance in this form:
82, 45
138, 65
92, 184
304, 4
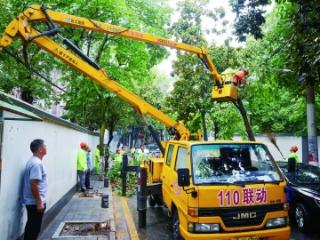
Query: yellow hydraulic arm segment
22, 27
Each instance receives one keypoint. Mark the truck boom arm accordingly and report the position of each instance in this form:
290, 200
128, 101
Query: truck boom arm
21, 27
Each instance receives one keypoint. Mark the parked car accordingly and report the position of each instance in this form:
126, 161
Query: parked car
303, 192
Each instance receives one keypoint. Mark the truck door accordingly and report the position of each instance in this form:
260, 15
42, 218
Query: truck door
182, 161
165, 176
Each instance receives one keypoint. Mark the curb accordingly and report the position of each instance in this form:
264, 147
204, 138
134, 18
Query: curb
112, 234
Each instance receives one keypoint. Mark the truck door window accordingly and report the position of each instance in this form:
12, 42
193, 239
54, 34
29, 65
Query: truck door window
181, 161
169, 154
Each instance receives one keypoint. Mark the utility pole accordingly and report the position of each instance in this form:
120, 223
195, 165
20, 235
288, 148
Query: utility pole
238, 103
311, 123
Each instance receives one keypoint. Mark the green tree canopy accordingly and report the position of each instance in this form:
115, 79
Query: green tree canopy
249, 17
127, 62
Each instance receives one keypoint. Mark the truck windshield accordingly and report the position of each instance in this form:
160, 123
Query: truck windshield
233, 164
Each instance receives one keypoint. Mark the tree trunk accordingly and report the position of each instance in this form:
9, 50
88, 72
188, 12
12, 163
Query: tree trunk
131, 138
110, 134
244, 116
26, 95
216, 129
312, 132
101, 138
105, 156
204, 125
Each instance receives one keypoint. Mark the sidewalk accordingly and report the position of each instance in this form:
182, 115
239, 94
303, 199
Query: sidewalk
83, 209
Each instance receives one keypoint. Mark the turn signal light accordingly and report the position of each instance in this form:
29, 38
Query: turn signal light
193, 212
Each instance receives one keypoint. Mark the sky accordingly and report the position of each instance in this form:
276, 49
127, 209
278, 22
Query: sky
166, 65
230, 16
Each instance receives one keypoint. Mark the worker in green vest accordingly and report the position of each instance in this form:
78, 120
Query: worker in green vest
117, 157
97, 159
142, 154
82, 165
294, 154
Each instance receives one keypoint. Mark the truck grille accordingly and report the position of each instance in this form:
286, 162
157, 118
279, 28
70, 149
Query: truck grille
240, 216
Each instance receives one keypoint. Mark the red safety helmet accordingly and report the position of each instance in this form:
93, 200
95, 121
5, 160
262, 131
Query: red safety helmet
83, 144
294, 149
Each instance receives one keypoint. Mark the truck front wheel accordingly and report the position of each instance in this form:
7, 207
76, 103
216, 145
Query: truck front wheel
302, 217
175, 226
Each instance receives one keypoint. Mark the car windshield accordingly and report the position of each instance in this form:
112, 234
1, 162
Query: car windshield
233, 164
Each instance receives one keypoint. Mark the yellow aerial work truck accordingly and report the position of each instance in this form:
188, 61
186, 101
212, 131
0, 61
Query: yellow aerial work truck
221, 190
213, 190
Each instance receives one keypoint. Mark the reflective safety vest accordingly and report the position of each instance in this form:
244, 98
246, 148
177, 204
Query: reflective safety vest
82, 160
117, 157
97, 160
141, 156
132, 150
295, 156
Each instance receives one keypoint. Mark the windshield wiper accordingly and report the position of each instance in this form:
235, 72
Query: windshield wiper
274, 182
224, 183
242, 183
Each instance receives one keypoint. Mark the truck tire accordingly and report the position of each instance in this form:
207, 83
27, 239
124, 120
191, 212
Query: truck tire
175, 226
301, 217
152, 201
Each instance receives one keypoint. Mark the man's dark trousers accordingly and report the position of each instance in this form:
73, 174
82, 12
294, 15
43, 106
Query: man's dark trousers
33, 225
87, 179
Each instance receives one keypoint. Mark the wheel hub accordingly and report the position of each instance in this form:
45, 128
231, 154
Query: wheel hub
299, 217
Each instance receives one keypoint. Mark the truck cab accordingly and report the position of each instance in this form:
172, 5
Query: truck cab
224, 190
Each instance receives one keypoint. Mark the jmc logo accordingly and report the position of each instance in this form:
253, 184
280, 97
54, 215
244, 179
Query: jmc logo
245, 215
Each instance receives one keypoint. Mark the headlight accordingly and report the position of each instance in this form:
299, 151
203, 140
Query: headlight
203, 227
277, 222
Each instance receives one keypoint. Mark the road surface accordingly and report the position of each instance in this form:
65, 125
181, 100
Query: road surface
158, 223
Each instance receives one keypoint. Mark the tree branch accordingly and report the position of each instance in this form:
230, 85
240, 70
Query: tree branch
100, 50
89, 42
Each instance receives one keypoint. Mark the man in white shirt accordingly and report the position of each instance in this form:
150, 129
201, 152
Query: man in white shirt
34, 189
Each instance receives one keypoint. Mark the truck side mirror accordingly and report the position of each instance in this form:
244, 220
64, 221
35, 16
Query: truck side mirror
183, 177
291, 165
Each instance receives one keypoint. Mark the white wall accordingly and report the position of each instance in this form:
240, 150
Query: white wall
284, 143
60, 162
